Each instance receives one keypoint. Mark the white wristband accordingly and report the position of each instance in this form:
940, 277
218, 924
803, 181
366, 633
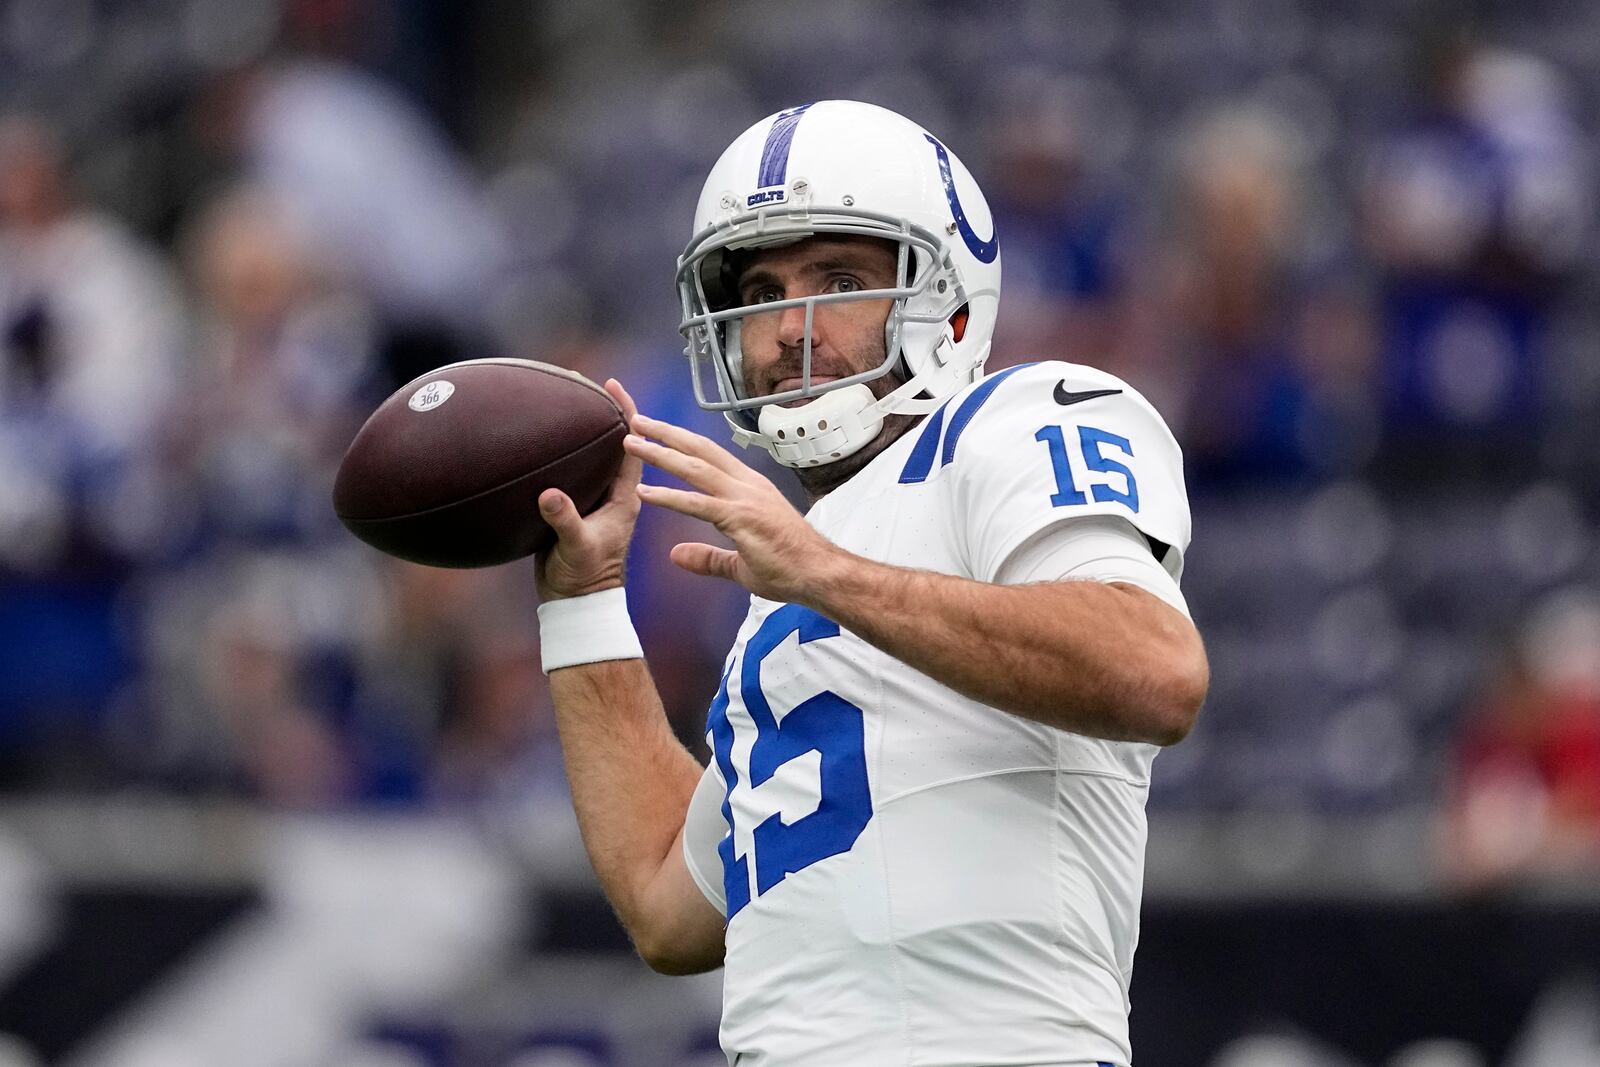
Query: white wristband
587, 629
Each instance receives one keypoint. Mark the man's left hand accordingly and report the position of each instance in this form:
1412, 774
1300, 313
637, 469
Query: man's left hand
776, 553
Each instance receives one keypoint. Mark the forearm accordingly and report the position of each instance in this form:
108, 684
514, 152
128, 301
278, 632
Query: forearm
1107, 660
631, 779
1099, 659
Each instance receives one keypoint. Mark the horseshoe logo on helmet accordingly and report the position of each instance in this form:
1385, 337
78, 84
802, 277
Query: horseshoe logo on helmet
985, 251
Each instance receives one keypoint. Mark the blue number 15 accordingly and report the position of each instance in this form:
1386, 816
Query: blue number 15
1090, 441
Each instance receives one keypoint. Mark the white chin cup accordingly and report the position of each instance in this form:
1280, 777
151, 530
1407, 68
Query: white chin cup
834, 425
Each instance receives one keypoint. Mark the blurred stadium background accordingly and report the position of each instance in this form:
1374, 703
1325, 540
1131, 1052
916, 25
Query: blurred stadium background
267, 798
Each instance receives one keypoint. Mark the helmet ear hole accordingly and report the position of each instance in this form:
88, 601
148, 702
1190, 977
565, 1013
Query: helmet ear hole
720, 276
958, 323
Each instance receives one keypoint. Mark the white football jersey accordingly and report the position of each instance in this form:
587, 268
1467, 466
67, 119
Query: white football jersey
912, 877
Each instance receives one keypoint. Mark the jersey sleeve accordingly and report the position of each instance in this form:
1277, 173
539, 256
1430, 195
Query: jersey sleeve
1096, 549
703, 831
1052, 443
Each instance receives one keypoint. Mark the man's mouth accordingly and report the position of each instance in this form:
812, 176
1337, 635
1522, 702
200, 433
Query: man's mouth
786, 384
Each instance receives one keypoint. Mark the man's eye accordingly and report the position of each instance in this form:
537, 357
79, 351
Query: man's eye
847, 285
765, 296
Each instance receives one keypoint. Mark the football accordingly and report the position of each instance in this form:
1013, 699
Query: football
449, 469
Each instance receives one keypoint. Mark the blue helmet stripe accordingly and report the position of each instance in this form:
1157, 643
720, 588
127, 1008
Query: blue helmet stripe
984, 250
775, 154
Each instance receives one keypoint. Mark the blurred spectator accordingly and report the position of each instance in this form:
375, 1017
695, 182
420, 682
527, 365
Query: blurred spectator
92, 337
1065, 226
497, 738
389, 202
446, 687
256, 620
317, 677
93, 327
251, 661
1472, 215
285, 376
1525, 800
1268, 360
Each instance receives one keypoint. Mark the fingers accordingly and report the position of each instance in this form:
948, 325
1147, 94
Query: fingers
632, 469
695, 505
689, 443
627, 479
624, 401
707, 560
692, 469
696, 459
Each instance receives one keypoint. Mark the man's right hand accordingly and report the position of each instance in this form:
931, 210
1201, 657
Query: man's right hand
591, 551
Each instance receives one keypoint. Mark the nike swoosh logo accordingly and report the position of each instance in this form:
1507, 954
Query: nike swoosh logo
1064, 397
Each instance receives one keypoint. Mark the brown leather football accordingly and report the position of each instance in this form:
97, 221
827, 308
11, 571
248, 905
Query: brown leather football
449, 469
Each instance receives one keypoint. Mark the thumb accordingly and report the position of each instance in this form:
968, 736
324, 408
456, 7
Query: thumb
708, 560
561, 515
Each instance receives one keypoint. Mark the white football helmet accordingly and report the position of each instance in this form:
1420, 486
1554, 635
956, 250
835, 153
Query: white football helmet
838, 166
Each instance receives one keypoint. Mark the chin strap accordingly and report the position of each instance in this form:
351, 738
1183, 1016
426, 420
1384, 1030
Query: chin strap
836, 424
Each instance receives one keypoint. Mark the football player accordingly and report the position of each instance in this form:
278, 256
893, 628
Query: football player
921, 838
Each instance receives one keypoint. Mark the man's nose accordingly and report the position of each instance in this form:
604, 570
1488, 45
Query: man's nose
792, 327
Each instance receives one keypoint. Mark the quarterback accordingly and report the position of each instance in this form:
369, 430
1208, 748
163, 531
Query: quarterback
920, 841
